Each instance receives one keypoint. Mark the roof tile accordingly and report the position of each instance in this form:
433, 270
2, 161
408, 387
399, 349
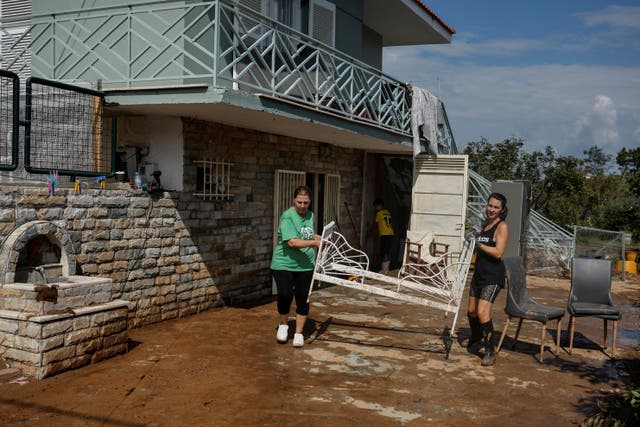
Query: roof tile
436, 17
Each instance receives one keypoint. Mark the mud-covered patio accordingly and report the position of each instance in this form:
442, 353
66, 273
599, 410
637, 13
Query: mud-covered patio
367, 360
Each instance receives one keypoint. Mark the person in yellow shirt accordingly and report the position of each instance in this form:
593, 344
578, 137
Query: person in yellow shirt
385, 233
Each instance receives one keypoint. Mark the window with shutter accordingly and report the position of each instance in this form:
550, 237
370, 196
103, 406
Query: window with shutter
287, 12
322, 21
249, 28
15, 55
13, 8
257, 5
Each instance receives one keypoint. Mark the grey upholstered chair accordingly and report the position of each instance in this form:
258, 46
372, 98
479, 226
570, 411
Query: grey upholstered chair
590, 295
521, 305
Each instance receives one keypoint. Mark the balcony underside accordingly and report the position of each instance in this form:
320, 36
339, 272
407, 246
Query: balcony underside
257, 112
404, 23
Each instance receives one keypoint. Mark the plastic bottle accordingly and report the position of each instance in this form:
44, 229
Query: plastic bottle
137, 180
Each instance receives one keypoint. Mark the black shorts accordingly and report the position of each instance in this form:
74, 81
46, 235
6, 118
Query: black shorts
385, 247
486, 292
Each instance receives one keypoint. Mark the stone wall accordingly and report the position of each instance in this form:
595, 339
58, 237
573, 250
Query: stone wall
45, 345
173, 254
235, 238
138, 241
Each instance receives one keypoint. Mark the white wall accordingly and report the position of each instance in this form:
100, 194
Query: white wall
166, 149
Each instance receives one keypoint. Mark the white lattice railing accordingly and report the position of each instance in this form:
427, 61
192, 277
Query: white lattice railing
217, 42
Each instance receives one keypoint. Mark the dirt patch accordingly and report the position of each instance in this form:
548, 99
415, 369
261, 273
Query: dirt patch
367, 360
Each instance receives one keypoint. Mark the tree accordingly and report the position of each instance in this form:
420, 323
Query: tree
566, 189
500, 161
536, 168
562, 191
627, 209
596, 162
629, 162
544, 170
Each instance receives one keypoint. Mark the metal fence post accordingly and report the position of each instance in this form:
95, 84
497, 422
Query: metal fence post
216, 40
53, 48
623, 260
129, 47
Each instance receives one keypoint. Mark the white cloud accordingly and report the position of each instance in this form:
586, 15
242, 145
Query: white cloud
605, 111
599, 126
465, 44
636, 137
613, 27
613, 16
569, 107
468, 45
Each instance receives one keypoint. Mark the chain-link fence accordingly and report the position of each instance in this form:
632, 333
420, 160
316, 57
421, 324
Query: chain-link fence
66, 130
604, 244
9, 116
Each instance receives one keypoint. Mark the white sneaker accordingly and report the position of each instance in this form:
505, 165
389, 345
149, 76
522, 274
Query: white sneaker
283, 333
298, 340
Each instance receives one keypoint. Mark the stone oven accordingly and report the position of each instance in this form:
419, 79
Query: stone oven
38, 251
50, 318
39, 261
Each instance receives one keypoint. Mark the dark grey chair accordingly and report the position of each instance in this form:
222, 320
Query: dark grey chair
590, 295
521, 305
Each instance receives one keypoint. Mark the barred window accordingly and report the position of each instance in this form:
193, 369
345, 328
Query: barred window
213, 179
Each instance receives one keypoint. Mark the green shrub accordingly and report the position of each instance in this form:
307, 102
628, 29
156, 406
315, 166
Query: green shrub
617, 410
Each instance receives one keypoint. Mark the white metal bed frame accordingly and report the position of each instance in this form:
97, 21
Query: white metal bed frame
340, 264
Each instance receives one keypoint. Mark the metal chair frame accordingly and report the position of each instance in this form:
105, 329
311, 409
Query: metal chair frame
339, 263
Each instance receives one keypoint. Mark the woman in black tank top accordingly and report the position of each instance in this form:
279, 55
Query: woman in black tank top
488, 275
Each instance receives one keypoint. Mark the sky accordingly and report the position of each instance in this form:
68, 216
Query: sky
561, 73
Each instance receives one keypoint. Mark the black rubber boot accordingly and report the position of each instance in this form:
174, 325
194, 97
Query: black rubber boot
476, 332
489, 347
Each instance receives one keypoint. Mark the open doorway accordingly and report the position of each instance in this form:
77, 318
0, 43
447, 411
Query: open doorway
325, 202
326, 197
325, 189
389, 178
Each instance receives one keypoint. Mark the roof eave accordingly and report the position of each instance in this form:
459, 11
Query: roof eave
406, 22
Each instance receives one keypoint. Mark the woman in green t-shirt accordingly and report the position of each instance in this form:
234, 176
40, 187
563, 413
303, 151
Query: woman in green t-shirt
293, 263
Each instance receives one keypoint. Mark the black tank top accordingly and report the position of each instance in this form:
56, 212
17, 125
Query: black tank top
487, 269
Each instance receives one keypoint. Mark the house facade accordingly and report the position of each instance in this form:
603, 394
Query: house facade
235, 103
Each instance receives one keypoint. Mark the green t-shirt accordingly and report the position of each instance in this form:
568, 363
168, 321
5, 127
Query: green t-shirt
294, 226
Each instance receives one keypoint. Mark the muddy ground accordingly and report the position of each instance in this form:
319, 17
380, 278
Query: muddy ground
367, 360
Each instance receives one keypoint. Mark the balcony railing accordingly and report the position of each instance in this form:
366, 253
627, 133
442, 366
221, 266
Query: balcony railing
218, 42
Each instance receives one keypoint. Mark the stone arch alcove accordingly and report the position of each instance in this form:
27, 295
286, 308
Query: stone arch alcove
19, 238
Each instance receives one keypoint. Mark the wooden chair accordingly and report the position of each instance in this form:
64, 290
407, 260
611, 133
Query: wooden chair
422, 248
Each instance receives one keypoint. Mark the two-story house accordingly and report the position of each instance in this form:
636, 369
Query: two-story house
237, 102
231, 104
